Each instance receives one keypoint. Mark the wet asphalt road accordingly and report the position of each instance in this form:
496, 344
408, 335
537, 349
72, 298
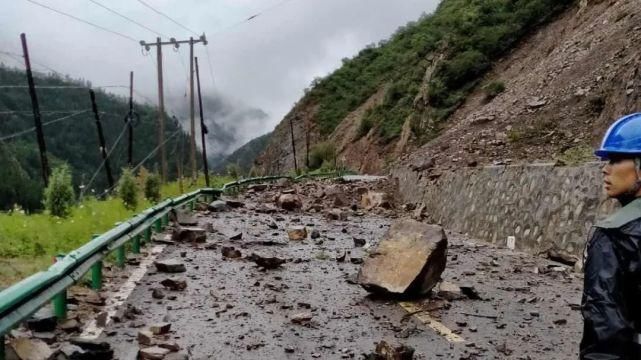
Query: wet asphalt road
231, 309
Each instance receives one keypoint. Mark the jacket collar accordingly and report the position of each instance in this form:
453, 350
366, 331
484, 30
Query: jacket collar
624, 215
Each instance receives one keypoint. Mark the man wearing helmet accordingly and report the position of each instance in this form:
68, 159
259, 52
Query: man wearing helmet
611, 304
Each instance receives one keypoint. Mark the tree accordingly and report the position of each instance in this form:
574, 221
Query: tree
128, 190
152, 187
59, 194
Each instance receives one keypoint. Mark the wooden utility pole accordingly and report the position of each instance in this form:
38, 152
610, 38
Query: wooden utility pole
203, 128
175, 43
291, 128
130, 119
44, 162
307, 143
192, 154
101, 139
161, 113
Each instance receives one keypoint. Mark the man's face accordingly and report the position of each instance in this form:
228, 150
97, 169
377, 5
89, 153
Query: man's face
619, 176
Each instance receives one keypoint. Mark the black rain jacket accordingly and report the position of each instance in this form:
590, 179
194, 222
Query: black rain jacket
611, 303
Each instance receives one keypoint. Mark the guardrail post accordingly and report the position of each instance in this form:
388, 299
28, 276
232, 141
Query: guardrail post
157, 226
120, 256
96, 273
165, 220
192, 205
2, 356
135, 245
147, 235
60, 299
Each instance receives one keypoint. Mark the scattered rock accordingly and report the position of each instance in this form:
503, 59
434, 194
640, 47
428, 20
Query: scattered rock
237, 236
234, 204
409, 260
341, 258
315, 234
47, 337
174, 284
145, 337
336, 214
302, 318
44, 320
563, 257
297, 233
218, 206
189, 234
157, 294
449, 291
28, 349
290, 202
71, 325
182, 218
373, 199
153, 353
424, 165
359, 242
268, 263
257, 187
230, 252
385, 351
170, 266
160, 328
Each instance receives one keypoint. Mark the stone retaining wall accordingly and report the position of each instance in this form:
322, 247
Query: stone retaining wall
540, 205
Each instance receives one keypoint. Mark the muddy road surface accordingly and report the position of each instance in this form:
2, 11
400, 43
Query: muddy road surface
271, 274
310, 307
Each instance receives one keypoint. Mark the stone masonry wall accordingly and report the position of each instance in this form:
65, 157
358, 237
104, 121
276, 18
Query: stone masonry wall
540, 205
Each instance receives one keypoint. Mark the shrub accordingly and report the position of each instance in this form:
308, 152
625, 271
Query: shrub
367, 123
321, 153
128, 190
152, 187
493, 89
58, 196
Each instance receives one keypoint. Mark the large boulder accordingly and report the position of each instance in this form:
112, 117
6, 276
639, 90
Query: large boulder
408, 261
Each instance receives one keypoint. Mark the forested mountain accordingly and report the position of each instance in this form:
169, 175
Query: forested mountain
70, 135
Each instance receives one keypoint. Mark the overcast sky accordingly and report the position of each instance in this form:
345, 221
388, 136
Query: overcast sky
264, 63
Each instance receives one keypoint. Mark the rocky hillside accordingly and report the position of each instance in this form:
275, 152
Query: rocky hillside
475, 84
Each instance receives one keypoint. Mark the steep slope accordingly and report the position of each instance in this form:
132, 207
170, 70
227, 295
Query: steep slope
564, 85
72, 140
398, 94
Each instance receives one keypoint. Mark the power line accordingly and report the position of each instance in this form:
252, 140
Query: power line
252, 17
19, 59
167, 17
51, 122
93, 177
210, 67
127, 18
84, 21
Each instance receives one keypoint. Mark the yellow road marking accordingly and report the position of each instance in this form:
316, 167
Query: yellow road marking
425, 318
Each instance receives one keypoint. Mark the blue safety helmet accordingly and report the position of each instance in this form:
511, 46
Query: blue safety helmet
622, 138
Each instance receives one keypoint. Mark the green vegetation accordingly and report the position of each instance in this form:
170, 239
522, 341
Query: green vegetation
468, 34
59, 194
322, 156
152, 188
73, 141
234, 171
578, 154
493, 89
28, 242
128, 189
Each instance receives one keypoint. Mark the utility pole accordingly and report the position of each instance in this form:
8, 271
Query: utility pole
203, 128
44, 162
307, 143
175, 43
291, 128
192, 154
130, 118
179, 162
101, 139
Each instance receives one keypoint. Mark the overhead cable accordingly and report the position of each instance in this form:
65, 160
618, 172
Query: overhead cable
167, 17
128, 18
84, 21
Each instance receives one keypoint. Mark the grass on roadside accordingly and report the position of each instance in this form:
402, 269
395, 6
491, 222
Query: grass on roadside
29, 242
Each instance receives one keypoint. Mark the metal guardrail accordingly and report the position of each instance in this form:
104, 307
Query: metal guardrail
24, 298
